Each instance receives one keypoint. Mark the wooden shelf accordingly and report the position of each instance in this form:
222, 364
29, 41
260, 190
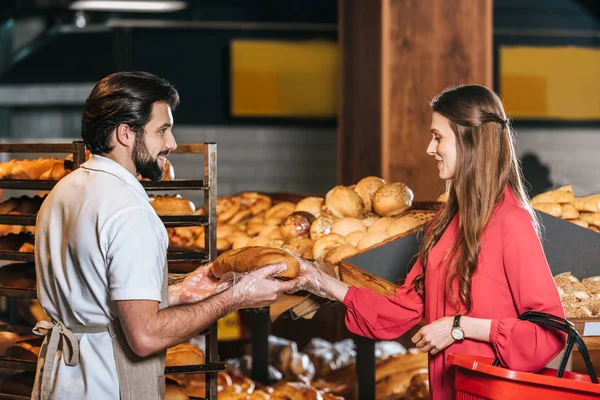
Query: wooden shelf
18, 292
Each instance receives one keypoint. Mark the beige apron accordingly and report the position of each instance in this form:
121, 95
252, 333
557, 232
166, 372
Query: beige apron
134, 372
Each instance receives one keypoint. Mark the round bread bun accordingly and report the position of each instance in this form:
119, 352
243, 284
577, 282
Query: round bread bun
174, 391
266, 231
227, 207
240, 216
371, 239
326, 243
184, 354
258, 241
172, 205
392, 199
312, 205
297, 224
223, 244
169, 171
301, 246
321, 226
369, 218
340, 253
355, 237
347, 225
236, 236
250, 258
409, 221
366, 188
343, 201
255, 202
381, 224
280, 210
240, 241
254, 228
224, 230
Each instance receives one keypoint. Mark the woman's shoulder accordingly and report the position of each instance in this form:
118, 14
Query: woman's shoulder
510, 210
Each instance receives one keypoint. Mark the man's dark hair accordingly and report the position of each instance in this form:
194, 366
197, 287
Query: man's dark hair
122, 98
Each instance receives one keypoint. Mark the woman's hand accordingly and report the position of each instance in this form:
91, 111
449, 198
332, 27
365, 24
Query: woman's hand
435, 337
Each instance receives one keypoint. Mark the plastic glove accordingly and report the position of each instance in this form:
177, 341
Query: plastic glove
312, 279
258, 289
196, 286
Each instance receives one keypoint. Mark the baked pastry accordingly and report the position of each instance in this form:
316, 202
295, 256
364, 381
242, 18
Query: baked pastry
563, 194
418, 388
567, 283
174, 391
411, 361
591, 218
592, 284
326, 243
172, 205
590, 203
371, 239
554, 209
579, 222
227, 207
280, 211
340, 253
392, 199
355, 237
296, 225
381, 224
569, 211
250, 258
347, 225
31, 169
322, 226
301, 246
312, 205
343, 201
184, 354
255, 202
366, 188
240, 216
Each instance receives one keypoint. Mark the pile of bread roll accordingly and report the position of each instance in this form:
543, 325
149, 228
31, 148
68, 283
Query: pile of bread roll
581, 299
348, 220
230, 385
561, 203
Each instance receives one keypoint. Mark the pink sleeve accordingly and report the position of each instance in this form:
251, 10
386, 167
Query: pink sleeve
522, 345
384, 317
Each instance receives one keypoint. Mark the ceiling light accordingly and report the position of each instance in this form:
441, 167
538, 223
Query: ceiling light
128, 5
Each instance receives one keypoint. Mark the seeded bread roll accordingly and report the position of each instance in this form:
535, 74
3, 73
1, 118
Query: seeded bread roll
366, 188
247, 259
392, 199
296, 225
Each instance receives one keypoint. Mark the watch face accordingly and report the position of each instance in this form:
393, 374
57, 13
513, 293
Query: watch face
457, 334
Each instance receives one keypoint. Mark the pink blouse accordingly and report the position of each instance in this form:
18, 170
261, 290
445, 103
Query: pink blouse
512, 277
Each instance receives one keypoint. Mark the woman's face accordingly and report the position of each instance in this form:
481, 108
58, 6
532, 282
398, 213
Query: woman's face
443, 146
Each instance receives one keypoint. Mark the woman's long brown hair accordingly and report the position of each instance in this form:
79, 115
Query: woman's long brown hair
486, 164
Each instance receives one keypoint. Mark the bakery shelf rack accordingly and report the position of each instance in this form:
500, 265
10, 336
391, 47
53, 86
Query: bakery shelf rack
208, 184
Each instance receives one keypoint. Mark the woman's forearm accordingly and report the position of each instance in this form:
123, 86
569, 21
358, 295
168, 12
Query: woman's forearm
334, 288
476, 328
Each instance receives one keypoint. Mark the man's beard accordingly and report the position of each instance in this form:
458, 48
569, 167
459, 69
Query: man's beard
144, 164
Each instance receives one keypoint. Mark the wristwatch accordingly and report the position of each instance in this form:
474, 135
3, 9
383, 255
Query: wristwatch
457, 332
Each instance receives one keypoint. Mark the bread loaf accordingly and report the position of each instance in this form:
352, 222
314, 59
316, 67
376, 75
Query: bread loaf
553, 209
184, 354
227, 207
247, 259
590, 203
591, 218
366, 189
342, 201
174, 391
172, 205
569, 211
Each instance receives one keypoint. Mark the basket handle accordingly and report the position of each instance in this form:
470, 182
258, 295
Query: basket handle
573, 338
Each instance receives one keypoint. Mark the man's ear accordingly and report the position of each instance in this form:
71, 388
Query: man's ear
124, 135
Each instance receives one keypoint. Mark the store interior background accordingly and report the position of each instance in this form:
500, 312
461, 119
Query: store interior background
45, 77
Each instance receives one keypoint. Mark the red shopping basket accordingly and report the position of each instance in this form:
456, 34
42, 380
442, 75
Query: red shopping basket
480, 378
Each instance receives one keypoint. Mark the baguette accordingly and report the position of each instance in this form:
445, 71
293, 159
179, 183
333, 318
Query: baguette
247, 259
590, 218
569, 211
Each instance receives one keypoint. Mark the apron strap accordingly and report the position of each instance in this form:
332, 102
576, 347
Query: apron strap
60, 336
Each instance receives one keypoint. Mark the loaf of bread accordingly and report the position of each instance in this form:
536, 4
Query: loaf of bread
172, 205
554, 209
590, 203
31, 169
184, 354
569, 211
250, 258
174, 391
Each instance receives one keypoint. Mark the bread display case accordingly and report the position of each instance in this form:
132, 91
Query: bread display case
42, 175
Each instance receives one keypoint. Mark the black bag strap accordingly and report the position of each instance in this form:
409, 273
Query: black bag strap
573, 338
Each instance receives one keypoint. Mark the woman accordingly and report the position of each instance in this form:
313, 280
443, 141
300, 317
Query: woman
481, 263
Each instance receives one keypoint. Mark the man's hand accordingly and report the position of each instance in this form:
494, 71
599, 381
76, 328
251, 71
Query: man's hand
258, 289
197, 286
435, 337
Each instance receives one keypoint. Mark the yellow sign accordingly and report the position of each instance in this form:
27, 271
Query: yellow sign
229, 327
560, 83
284, 78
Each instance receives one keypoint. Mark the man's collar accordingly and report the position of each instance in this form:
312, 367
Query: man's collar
105, 164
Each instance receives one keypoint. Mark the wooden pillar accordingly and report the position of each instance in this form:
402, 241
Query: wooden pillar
396, 55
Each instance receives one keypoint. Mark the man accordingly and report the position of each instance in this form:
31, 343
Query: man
101, 256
